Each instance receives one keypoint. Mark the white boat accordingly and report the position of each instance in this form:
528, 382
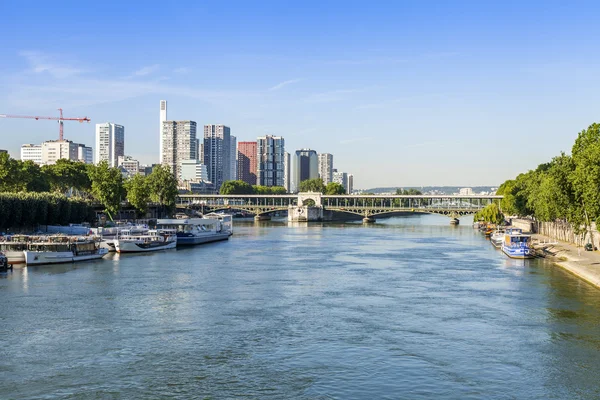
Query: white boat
155, 240
109, 235
191, 231
497, 238
12, 246
62, 249
516, 244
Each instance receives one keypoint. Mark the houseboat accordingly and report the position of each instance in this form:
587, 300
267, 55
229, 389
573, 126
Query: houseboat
191, 231
13, 246
109, 235
154, 240
516, 244
62, 249
497, 238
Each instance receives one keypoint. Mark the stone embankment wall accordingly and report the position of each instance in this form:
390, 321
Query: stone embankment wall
563, 232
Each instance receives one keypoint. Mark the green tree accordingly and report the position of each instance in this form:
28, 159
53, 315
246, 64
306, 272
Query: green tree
163, 187
334, 188
258, 189
236, 187
490, 213
9, 174
586, 174
65, 175
138, 193
107, 187
32, 177
312, 185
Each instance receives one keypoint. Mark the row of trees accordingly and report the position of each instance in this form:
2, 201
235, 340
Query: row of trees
567, 188
99, 183
309, 185
32, 209
317, 185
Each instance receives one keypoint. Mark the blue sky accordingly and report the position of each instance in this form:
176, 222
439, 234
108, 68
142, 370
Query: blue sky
402, 93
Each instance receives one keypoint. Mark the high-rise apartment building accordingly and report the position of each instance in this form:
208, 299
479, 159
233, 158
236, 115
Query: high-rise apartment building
85, 154
287, 169
344, 179
305, 165
162, 118
326, 167
233, 174
31, 152
270, 160
129, 165
179, 143
110, 143
246, 161
217, 153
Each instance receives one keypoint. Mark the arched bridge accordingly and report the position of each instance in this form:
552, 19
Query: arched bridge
363, 205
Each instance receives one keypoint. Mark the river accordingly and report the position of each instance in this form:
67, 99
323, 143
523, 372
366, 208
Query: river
408, 308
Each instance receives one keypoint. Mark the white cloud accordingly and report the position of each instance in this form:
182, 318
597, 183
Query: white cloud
284, 83
147, 70
182, 70
40, 63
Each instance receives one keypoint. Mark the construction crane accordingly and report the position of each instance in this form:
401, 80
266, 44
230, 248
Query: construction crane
60, 120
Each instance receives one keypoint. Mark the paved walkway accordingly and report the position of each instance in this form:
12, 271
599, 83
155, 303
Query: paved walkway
584, 264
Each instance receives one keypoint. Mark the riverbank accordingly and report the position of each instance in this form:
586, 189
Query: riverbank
581, 263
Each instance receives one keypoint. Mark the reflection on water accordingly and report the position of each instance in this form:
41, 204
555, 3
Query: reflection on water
405, 308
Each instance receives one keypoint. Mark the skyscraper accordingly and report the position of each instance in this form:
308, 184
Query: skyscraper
110, 143
217, 150
233, 175
247, 162
287, 176
305, 165
179, 143
344, 179
270, 159
163, 118
326, 167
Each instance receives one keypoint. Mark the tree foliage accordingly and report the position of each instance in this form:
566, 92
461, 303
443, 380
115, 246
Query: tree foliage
107, 187
490, 213
312, 185
138, 193
236, 187
163, 187
567, 188
334, 188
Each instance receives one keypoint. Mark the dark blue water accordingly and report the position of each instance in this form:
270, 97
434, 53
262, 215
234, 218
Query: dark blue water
408, 308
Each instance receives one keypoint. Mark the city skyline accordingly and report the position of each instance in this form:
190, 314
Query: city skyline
402, 88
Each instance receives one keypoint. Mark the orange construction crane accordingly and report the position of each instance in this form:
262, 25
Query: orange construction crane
59, 119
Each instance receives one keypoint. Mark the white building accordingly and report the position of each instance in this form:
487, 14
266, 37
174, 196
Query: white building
179, 143
130, 165
344, 179
305, 165
217, 153
193, 170
110, 143
31, 152
465, 191
54, 150
326, 167
233, 158
270, 161
163, 118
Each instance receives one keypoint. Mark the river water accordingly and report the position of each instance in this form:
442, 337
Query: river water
409, 308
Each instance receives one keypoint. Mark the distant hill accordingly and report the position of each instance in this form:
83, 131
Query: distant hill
432, 189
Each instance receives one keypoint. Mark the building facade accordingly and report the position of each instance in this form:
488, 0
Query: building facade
129, 165
233, 174
179, 143
341, 178
350, 187
287, 169
31, 152
305, 165
217, 153
246, 162
193, 171
54, 150
110, 143
85, 154
162, 118
270, 160
326, 167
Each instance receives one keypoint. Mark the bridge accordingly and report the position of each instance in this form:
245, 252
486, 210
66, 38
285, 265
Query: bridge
366, 206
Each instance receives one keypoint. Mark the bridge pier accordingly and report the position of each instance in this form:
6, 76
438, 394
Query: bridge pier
261, 217
305, 214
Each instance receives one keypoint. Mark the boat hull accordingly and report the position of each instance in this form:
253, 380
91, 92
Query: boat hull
59, 257
14, 256
194, 240
519, 253
124, 246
